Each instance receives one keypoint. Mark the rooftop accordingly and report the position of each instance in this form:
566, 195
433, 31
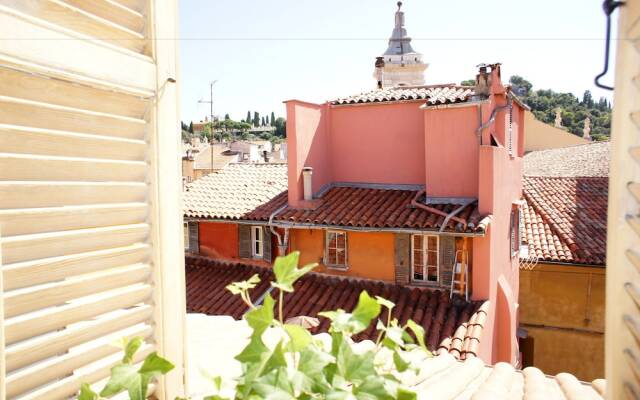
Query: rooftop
565, 218
433, 95
236, 191
442, 377
590, 159
369, 207
453, 325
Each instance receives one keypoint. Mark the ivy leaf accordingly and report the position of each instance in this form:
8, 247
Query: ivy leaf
372, 389
366, 310
260, 318
86, 393
242, 286
130, 348
299, 336
312, 361
124, 377
405, 394
418, 331
393, 336
287, 272
354, 367
385, 303
400, 363
254, 351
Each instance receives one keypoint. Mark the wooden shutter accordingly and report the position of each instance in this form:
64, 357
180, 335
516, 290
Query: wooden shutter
194, 240
266, 245
403, 258
244, 241
89, 192
447, 258
623, 228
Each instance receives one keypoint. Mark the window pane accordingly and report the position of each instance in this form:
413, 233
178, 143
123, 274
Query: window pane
342, 241
417, 242
418, 274
332, 242
341, 257
331, 256
432, 242
432, 258
418, 259
433, 274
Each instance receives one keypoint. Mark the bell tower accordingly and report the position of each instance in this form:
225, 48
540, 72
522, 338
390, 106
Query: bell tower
400, 65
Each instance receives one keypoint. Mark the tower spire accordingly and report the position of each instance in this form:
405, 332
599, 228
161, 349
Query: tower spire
403, 65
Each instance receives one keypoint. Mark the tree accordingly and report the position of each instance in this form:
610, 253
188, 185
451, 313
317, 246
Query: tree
248, 120
521, 86
281, 127
468, 82
191, 127
266, 120
256, 119
273, 119
587, 98
226, 117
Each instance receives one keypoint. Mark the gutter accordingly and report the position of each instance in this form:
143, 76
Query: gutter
375, 229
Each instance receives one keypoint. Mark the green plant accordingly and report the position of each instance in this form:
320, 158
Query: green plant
126, 376
299, 366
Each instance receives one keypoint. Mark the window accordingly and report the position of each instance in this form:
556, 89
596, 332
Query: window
515, 234
336, 255
257, 242
185, 228
424, 258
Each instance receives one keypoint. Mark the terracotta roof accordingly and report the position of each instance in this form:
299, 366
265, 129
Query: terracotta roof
452, 325
239, 191
221, 157
220, 338
565, 219
381, 208
590, 159
436, 94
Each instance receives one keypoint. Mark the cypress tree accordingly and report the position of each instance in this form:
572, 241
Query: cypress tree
248, 120
273, 119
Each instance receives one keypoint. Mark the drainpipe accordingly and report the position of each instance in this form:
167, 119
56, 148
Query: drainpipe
416, 203
455, 212
492, 118
282, 243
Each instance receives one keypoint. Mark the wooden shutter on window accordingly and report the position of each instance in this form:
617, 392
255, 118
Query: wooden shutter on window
244, 241
447, 257
268, 254
403, 258
623, 228
194, 240
90, 229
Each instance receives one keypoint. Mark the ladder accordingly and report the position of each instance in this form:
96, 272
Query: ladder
460, 275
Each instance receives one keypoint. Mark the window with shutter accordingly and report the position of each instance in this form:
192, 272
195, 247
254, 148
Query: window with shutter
402, 258
268, 252
90, 244
336, 249
194, 237
244, 241
257, 242
425, 255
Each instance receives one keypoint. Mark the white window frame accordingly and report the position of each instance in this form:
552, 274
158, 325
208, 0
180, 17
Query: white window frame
514, 231
425, 250
257, 238
327, 248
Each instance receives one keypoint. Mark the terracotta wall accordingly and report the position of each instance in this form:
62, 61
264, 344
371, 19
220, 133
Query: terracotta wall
563, 308
218, 240
541, 136
370, 254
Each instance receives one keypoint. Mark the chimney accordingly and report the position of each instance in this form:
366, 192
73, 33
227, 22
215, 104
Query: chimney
307, 173
265, 155
379, 70
482, 81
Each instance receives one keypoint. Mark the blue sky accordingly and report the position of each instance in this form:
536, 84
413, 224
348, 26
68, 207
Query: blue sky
263, 52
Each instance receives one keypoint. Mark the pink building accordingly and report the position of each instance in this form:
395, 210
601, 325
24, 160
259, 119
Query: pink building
441, 164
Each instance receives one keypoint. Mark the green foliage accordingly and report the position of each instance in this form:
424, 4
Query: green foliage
256, 119
544, 104
301, 367
468, 82
127, 377
281, 127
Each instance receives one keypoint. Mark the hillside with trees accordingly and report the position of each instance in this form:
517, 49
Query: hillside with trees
253, 127
574, 110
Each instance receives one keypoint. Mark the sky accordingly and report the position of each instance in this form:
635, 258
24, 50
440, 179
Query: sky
263, 52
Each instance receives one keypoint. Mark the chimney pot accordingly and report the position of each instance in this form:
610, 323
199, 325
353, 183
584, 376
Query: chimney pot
307, 173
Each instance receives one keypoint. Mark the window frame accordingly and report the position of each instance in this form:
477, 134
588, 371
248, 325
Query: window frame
328, 264
514, 231
256, 230
185, 229
425, 266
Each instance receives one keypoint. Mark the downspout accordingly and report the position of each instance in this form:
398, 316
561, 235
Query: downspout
282, 243
416, 203
492, 118
455, 212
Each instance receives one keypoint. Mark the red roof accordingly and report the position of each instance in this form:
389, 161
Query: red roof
435, 94
452, 325
565, 219
381, 208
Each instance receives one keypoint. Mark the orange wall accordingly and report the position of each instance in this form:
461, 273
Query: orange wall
219, 240
370, 254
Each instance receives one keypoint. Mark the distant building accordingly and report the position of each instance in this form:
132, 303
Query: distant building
205, 159
541, 136
400, 65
